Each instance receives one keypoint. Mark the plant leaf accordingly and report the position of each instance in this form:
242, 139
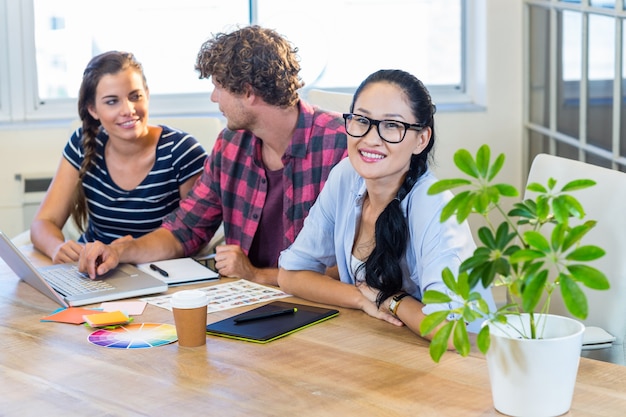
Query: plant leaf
585, 253
543, 208
461, 340
483, 340
503, 237
577, 185
486, 237
557, 237
536, 188
507, 190
435, 297
469, 314
483, 157
561, 209
589, 276
525, 255
466, 207
577, 233
448, 184
481, 255
448, 279
573, 206
464, 161
482, 200
452, 206
537, 241
463, 288
439, 342
485, 273
432, 320
573, 297
533, 290
496, 167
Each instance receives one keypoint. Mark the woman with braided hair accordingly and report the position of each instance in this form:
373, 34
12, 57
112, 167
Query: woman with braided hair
119, 176
374, 219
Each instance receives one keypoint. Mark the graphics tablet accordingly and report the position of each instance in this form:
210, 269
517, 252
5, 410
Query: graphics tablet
270, 328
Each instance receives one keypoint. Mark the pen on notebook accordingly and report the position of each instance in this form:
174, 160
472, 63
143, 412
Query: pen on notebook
159, 270
266, 315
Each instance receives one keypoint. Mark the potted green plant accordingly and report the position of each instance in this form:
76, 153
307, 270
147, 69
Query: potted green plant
533, 250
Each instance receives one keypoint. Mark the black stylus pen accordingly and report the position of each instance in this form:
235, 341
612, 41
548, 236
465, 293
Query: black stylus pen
266, 315
159, 270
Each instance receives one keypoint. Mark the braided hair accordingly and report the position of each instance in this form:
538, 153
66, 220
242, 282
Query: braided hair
382, 267
110, 62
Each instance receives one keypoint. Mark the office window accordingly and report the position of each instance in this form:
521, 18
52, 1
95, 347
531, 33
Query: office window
337, 49
575, 60
342, 47
165, 39
164, 36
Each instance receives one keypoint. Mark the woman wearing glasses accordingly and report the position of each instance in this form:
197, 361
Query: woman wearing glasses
374, 219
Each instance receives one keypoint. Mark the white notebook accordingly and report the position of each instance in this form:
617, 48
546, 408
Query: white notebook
179, 271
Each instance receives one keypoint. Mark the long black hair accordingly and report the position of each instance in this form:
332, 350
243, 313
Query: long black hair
382, 267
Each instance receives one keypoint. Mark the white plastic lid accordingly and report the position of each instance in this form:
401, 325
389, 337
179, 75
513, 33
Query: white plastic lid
189, 299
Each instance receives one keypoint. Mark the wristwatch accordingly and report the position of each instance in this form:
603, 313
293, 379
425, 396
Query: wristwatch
395, 302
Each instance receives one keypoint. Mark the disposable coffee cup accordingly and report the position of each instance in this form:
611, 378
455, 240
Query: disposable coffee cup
190, 312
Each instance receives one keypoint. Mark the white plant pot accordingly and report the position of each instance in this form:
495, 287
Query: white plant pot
534, 377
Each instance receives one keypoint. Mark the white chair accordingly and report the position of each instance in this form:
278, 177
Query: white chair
330, 100
606, 203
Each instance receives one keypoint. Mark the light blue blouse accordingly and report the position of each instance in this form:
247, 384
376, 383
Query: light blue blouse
335, 216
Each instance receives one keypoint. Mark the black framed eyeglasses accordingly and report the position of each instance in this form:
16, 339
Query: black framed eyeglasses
392, 131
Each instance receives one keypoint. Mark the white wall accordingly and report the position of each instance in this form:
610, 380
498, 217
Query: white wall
34, 149
501, 124
25, 150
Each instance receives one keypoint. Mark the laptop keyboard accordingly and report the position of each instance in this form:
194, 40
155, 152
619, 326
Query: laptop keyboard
72, 282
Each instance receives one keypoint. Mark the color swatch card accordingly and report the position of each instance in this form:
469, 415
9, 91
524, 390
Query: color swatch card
135, 336
228, 295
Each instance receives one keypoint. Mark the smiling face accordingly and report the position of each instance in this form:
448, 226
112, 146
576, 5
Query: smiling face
373, 158
121, 104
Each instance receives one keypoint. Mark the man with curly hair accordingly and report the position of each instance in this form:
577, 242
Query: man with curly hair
264, 173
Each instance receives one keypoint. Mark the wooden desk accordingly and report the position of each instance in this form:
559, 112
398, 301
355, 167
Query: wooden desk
352, 365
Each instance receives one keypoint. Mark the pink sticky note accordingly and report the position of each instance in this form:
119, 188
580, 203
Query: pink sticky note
132, 308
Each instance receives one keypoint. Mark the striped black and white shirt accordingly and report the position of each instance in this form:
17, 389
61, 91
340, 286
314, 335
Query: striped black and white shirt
115, 212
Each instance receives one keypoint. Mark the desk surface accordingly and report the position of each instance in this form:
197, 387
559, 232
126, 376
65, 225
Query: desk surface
351, 365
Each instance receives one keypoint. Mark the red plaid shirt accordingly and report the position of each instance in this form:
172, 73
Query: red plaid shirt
233, 186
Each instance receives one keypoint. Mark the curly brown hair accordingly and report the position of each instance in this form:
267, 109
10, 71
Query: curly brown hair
110, 62
256, 57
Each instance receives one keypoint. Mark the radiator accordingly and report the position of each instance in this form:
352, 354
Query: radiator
33, 189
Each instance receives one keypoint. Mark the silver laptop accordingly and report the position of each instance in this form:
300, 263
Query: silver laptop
67, 286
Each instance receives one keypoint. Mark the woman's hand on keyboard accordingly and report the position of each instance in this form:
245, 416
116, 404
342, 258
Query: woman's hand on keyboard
97, 259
